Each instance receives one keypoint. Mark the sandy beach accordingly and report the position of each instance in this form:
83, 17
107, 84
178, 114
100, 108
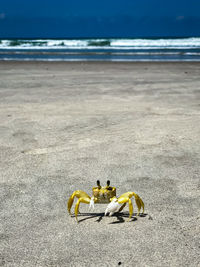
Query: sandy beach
65, 125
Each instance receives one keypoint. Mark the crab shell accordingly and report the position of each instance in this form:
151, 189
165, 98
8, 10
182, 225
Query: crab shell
103, 195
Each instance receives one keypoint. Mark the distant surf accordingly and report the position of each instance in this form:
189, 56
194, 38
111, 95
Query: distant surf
177, 49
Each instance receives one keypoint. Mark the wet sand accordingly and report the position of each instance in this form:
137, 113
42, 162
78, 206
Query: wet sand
65, 125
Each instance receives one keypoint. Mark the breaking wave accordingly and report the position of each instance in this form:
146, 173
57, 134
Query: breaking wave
102, 43
177, 49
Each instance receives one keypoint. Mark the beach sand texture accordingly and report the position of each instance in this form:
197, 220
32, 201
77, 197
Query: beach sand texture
65, 125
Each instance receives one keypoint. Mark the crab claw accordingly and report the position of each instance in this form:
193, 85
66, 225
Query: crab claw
91, 203
112, 207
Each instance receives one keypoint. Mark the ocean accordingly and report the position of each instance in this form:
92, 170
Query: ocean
176, 49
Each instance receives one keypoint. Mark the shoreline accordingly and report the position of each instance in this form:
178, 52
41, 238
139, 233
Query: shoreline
103, 61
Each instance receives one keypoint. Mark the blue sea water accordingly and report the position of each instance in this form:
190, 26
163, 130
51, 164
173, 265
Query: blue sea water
176, 49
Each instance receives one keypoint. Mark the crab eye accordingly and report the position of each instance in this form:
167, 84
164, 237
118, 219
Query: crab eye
98, 183
108, 182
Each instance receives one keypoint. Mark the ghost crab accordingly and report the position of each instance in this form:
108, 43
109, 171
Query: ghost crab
103, 195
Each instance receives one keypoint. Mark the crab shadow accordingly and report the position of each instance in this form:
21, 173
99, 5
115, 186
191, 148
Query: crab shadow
121, 216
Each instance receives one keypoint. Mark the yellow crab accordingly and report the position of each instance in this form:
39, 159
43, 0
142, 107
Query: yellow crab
103, 195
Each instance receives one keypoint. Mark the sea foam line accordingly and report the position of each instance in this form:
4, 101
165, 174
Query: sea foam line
185, 43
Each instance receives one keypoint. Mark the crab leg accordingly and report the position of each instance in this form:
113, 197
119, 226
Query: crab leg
123, 199
139, 203
122, 207
127, 196
83, 200
81, 195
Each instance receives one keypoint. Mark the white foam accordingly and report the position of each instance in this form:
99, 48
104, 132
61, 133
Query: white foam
185, 43
157, 43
